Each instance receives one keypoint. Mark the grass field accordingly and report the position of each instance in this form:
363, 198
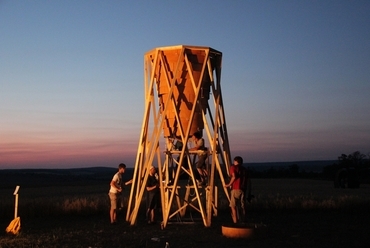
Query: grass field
296, 212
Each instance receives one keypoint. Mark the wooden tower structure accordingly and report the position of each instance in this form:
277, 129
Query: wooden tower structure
182, 94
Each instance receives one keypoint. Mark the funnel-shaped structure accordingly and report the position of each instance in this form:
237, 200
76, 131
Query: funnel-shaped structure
183, 92
180, 81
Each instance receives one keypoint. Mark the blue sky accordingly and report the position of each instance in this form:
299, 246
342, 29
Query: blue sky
295, 77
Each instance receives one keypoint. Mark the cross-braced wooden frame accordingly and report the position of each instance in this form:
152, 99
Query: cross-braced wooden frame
179, 83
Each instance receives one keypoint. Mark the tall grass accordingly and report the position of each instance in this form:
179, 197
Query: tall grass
270, 194
308, 202
304, 194
54, 201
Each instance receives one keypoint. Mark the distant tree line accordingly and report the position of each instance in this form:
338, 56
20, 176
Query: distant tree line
349, 171
291, 171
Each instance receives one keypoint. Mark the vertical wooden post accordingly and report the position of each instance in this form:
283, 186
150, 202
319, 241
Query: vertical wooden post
16, 201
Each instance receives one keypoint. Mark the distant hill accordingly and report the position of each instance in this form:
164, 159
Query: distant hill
76, 176
43, 177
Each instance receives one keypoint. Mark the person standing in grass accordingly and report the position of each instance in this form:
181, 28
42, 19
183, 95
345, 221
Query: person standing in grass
153, 194
115, 192
240, 183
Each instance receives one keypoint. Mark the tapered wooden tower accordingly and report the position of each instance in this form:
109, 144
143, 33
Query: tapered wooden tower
182, 96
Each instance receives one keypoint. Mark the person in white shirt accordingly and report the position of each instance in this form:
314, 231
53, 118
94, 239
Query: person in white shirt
115, 196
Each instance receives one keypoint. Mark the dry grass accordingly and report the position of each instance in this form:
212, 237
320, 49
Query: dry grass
306, 194
270, 194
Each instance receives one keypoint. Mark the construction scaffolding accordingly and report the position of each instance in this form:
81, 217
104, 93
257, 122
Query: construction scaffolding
179, 83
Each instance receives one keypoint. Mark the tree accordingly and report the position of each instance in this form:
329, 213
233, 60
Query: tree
348, 174
354, 159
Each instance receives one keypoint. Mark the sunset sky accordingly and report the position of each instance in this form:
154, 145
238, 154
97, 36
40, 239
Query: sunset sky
295, 76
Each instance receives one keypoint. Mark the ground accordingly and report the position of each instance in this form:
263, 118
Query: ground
284, 229
337, 218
